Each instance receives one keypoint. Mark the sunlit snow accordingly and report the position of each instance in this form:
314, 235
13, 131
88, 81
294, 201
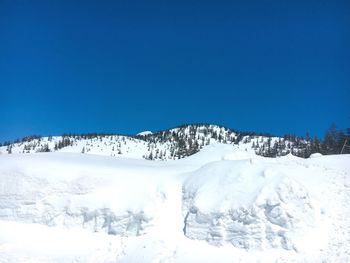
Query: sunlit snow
223, 204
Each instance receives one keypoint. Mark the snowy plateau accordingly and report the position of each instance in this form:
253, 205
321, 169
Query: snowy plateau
223, 203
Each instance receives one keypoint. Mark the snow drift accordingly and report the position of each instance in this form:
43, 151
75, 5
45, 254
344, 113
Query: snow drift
246, 204
220, 204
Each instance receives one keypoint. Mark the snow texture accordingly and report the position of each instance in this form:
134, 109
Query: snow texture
223, 204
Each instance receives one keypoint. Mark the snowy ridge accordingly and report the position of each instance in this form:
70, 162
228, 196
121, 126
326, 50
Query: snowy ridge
220, 204
171, 144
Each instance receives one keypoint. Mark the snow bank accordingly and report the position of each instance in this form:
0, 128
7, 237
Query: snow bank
118, 197
74, 203
215, 206
249, 206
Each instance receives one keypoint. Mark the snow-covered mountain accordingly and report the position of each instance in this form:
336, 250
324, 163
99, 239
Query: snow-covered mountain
170, 144
222, 204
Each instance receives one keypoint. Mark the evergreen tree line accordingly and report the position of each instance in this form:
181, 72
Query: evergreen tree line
332, 143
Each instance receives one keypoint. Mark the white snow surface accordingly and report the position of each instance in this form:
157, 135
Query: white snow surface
223, 204
144, 133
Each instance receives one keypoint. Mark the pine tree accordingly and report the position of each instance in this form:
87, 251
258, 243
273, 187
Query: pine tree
330, 141
150, 156
341, 137
9, 149
316, 146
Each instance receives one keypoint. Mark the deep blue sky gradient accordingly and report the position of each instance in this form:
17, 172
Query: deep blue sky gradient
127, 66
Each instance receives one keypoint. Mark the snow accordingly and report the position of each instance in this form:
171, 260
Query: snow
315, 155
257, 206
161, 146
144, 133
223, 204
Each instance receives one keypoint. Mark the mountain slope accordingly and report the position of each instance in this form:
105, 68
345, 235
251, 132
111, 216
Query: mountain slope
170, 144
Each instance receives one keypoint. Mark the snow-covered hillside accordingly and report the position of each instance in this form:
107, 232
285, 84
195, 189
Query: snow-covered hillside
222, 204
170, 144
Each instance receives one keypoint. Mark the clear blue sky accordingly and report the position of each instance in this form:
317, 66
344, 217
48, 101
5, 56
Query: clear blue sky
127, 66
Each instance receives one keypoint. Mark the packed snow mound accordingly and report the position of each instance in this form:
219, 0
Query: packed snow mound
101, 194
68, 204
245, 204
